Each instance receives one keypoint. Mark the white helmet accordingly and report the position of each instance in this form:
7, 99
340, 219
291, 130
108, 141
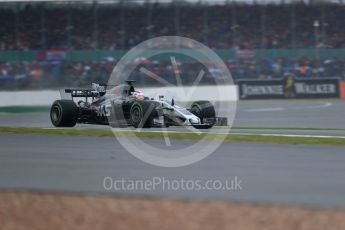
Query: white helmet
138, 93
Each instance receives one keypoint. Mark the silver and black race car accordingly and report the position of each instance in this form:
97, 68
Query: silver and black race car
123, 106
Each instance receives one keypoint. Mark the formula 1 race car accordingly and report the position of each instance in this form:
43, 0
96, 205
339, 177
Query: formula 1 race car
123, 106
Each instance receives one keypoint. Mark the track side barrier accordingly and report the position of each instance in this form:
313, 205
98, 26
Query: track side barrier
289, 88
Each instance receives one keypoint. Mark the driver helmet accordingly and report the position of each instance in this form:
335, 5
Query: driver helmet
138, 95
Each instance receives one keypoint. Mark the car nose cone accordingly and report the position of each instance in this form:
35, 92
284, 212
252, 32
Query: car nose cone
194, 120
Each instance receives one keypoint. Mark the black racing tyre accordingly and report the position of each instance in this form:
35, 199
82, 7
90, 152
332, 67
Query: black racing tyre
205, 111
64, 113
141, 114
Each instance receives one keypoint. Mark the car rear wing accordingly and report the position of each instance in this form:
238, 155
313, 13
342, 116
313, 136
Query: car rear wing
69, 94
82, 92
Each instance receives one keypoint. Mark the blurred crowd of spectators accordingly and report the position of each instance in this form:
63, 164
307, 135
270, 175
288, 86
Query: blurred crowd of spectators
278, 67
22, 75
72, 26
65, 26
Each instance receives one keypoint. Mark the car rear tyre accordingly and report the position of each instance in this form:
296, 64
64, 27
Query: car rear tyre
206, 112
141, 114
64, 113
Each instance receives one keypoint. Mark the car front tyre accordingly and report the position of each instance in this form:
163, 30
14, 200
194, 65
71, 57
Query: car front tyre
205, 111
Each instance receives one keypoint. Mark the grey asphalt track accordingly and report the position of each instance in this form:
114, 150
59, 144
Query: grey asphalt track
270, 173
292, 113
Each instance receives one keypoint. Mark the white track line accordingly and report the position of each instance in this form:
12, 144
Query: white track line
266, 109
224, 133
251, 134
286, 135
275, 109
325, 105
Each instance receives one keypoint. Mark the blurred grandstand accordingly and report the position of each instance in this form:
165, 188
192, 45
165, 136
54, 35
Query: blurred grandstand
51, 44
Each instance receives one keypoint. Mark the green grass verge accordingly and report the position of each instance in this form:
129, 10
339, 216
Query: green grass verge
182, 136
274, 128
287, 128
